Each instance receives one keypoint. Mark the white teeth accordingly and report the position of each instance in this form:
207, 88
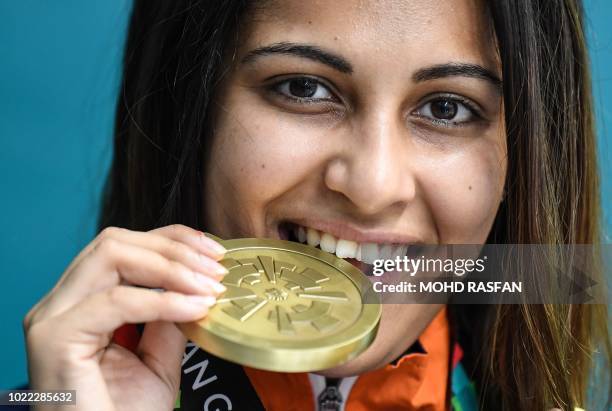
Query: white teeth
365, 252
385, 251
369, 252
312, 237
399, 251
301, 234
346, 248
328, 243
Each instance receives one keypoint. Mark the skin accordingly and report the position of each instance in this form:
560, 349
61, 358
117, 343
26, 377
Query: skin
368, 162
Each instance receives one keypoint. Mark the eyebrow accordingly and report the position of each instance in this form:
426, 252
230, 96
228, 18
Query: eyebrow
457, 69
342, 65
302, 50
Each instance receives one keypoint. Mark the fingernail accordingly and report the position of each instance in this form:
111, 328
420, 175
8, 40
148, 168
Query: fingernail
212, 266
213, 245
222, 270
209, 282
201, 301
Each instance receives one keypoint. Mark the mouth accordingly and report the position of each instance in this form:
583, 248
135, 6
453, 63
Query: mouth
359, 253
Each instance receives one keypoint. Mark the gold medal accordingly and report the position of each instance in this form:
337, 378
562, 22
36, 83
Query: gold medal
288, 307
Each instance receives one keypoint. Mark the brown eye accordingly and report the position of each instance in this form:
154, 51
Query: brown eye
304, 88
448, 111
444, 109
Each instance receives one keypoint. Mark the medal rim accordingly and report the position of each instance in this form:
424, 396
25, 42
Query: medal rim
284, 355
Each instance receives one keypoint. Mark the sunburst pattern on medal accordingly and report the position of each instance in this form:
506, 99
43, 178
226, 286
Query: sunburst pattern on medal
294, 296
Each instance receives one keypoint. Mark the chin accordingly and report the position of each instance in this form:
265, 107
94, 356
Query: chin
400, 326
356, 366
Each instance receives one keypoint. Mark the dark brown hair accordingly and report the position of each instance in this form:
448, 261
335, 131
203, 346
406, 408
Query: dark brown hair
537, 356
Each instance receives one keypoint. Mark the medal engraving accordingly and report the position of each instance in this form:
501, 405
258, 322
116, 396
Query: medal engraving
288, 307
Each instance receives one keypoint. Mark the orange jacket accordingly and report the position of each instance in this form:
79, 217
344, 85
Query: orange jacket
416, 381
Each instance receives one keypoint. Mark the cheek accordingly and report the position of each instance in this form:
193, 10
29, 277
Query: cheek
261, 156
464, 191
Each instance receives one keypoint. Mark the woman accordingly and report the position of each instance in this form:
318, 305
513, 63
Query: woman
368, 122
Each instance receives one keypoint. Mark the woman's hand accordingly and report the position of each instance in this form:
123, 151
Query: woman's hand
68, 333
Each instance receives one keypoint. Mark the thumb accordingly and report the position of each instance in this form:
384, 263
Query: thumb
161, 349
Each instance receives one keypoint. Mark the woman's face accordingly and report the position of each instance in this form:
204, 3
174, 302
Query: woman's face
372, 121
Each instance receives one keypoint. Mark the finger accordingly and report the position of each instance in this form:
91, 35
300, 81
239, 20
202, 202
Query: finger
181, 250
193, 238
114, 263
177, 232
141, 266
161, 348
104, 312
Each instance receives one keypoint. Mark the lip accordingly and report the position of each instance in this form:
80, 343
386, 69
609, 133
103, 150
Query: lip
348, 231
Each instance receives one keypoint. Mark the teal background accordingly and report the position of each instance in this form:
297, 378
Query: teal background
59, 73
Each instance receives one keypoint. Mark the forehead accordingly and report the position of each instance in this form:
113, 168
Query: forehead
400, 33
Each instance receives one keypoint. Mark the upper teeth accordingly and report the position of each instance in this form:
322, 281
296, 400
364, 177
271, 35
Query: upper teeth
366, 252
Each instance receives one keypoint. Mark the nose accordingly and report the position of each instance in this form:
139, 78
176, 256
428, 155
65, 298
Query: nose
373, 168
